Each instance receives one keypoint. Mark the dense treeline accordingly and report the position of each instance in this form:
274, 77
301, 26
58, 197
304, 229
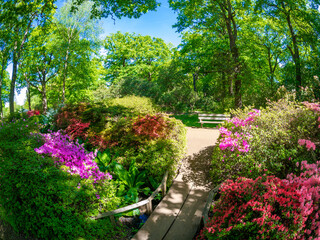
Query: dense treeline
233, 53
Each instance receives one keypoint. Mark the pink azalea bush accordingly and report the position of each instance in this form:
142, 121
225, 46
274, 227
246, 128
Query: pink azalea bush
72, 155
269, 141
282, 138
262, 208
268, 207
232, 140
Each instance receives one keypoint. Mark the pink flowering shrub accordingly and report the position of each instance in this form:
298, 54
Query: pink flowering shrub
268, 207
33, 113
264, 208
267, 142
72, 155
150, 127
309, 198
309, 145
40, 197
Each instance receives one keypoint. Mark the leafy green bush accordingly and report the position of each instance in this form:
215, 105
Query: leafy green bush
39, 199
271, 140
153, 141
154, 155
134, 106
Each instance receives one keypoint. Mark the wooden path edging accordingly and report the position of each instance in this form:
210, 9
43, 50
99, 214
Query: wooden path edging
212, 194
162, 187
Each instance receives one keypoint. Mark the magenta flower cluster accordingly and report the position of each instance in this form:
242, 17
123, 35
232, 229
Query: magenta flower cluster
308, 143
247, 121
73, 155
234, 140
309, 197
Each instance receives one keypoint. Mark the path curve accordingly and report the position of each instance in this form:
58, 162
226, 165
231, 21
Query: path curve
196, 166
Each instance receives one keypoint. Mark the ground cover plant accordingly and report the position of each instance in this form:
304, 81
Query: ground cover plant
270, 156
55, 176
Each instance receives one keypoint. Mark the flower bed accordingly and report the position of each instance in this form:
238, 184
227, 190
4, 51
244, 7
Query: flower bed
52, 183
270, 157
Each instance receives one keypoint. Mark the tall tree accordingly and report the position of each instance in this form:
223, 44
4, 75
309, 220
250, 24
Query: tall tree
216, 16
4, 59
39, 64
21, 17
295, 15
135, 56
74, 29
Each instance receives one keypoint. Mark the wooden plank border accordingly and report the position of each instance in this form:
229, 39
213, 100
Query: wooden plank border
162, 187
205, 212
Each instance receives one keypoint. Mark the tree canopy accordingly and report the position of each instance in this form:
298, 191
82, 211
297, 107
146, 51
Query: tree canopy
233, 53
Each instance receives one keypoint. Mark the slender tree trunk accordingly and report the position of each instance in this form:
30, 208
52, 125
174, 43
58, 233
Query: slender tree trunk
65, 69
1, 81
195, 79
271, 69
29, 96
295, 55
232, 34
13, 81
64, 78
44, 97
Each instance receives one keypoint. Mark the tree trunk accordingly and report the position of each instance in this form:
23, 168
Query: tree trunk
1, 81
29, 96
65, 69
44, 98
195, 79
64, 78
232, 34
295, 55
13, 81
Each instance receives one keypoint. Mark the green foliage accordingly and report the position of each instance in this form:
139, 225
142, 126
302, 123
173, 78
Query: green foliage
273, 140
113, 130
130, 181
41, 200
134, 56
192, 120
133, 105
119, 8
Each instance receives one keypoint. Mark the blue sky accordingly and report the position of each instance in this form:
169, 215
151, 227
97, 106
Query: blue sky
154, 23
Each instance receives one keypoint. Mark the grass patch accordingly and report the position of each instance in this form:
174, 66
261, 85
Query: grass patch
191, 120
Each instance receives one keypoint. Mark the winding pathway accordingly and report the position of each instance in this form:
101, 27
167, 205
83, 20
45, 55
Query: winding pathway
179, 214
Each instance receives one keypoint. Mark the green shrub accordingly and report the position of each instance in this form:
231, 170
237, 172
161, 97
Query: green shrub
157, 155
272, 139
41, 200
127, 128
134, 106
